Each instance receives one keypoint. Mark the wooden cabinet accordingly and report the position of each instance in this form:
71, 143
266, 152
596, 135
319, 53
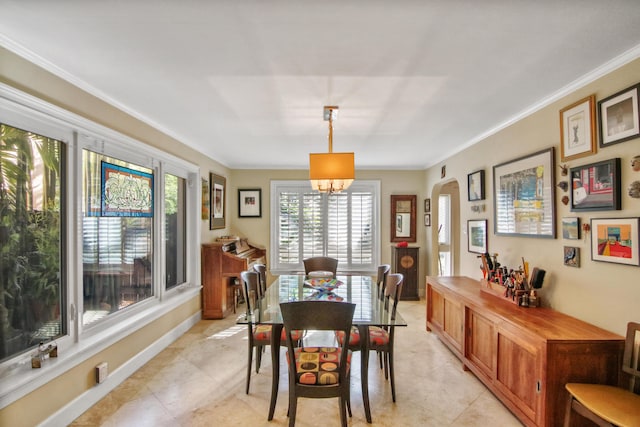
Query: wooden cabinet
405, 261
219, 271
445, 315
525, 356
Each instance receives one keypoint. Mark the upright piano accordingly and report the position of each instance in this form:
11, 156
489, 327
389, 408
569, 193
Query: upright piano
222, 263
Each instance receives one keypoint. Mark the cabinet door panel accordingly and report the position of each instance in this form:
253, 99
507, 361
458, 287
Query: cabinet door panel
480, 347
437, 308
518, 373
453, 322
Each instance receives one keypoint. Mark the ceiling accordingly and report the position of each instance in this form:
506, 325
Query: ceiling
245, 82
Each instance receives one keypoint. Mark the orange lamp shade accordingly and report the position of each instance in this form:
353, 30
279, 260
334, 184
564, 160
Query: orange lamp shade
331, 166
331, 172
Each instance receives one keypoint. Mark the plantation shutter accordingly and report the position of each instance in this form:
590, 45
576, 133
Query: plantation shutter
307, 223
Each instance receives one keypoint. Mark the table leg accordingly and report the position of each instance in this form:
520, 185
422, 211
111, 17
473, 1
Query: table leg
364, 369
276, 331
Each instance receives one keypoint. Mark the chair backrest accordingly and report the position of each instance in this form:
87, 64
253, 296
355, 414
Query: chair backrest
317, 315
320, 263
631, 357
250, 289
381, 281
320, 316
393, 291
261, 269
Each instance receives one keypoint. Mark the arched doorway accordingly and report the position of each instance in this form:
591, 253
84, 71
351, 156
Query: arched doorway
445, 232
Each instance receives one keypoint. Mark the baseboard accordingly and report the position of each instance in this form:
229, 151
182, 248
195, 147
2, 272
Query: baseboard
79, 405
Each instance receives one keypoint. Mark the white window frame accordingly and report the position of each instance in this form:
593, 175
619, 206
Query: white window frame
361, 185
29, 113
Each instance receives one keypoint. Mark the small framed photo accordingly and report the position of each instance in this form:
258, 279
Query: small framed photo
571, 256
475, 186
578, 129
205, 199
477, 235
615, 240
217, 188
571, 228
427, 220
619, 117
427, 205
596, 186
250, 203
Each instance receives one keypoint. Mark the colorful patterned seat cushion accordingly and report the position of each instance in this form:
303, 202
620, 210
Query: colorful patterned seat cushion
262, 332
378, 337
318, 365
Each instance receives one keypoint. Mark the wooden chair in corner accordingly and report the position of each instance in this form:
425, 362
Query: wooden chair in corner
318, 376
320, 263
259, 334
608, 405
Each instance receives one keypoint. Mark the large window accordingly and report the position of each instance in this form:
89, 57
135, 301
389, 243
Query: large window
31, 242
94, 228
117, 250
306, 223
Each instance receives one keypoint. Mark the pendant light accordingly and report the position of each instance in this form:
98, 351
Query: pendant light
331, 172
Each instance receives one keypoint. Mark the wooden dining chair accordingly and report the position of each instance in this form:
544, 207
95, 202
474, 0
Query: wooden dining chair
608, 405
318, 372
261, 269
320, 263
381, 339
381, 280
259, 333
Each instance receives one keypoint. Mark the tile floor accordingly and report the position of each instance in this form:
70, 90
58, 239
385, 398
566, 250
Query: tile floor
200, 380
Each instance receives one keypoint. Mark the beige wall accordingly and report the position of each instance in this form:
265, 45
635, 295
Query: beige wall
391, 182
604, 294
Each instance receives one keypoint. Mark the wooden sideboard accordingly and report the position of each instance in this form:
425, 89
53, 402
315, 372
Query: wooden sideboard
220, 269
525, 356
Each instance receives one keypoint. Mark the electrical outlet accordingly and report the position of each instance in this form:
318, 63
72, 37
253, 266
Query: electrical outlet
102, 370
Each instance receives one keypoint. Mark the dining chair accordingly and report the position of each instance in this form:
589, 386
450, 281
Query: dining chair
381, 281
261, 269
259, 334
381, 339
318, 372
605, 404
320, 263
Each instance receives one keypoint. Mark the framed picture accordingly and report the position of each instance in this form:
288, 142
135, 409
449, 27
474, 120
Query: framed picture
205, 199
477, 235
571, 228
403, 218
250, 203
578, 129
427, 205
475, 186
218, 204
596, 186
619, 116
571, 256
524, 196
427, 220
615, 240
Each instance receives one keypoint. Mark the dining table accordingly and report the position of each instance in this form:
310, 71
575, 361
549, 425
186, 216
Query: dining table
360, 290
